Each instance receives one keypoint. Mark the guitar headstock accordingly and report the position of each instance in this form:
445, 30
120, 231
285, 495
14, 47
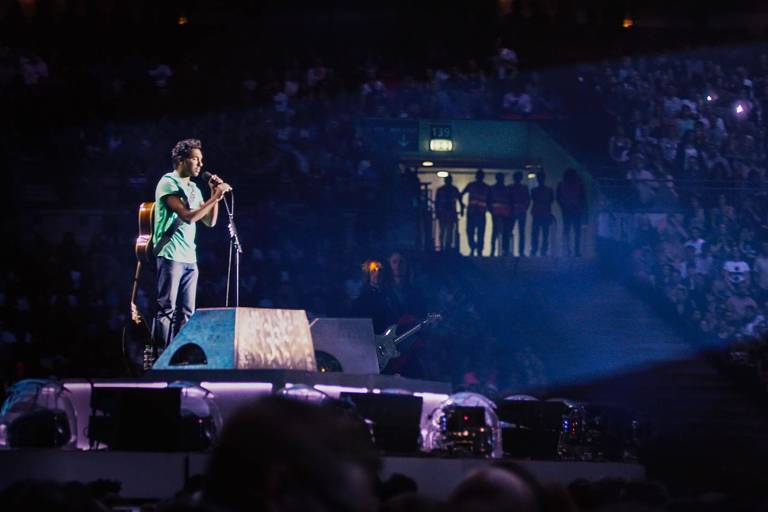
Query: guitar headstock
432, 318
135, 314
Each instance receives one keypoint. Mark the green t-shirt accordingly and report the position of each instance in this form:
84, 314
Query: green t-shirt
181, 247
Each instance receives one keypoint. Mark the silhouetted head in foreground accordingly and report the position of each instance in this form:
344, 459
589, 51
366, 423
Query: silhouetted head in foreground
286, 455
497, 488
44, 495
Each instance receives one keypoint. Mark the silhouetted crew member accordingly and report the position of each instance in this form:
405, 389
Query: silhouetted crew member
478, 204
542, 198
446, 198
375, 301
573, 203
501, 213
521, 200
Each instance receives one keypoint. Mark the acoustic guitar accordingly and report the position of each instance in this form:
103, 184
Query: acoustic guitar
138, 349
146, 227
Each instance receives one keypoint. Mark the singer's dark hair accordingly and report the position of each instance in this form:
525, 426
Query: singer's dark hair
183, 149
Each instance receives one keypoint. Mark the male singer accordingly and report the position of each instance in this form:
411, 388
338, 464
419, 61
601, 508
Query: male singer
178, 206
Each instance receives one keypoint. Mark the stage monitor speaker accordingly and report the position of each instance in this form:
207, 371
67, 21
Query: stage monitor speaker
349, 342
241, 338
136, 419
396, 419
533, 429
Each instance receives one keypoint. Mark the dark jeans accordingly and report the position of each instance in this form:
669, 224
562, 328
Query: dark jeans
176, 291
502, 226
572, 222
519, 219
476, 232
540, 226
448, 234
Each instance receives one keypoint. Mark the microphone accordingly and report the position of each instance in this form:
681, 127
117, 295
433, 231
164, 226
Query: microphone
207, 177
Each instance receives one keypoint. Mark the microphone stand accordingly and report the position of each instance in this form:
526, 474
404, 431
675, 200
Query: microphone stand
234, 245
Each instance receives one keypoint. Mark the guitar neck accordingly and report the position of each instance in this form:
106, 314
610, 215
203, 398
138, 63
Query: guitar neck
410, 332
135, 282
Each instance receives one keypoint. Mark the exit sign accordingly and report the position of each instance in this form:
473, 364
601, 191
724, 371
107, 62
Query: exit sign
440, 131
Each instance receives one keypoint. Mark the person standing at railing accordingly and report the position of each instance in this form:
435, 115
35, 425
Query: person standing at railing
521, 200
501, 213
542, 198
478, 204
572, 199
446, 198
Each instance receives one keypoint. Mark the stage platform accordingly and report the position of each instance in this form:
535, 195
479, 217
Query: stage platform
230, 389
154, 476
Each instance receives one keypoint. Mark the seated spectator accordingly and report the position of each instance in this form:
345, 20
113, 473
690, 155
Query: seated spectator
642, 178
761, 272
695, 240
687, 267
736, 269
740, 301
619, 145
747, 245
722, 242
674, 284
696, 216
724, 213
753, 322
646, 234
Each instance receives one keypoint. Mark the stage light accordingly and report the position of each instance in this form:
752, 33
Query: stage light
442, 174
440, 145
38, 414
327, 363
524, 398
464, 423
302, 392
427, 163
201, 419
741, 109
628, 22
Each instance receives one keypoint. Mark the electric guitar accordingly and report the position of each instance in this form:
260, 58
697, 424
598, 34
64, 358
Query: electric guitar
386, 343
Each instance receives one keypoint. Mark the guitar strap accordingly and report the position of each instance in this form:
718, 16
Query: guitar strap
167, 236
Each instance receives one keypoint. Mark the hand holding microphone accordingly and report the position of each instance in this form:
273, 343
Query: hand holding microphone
218, 186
